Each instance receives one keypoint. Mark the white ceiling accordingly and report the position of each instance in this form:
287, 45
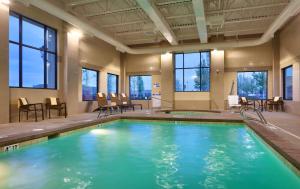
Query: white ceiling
126, 21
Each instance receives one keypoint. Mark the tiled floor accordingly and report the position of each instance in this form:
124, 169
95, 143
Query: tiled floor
283, 133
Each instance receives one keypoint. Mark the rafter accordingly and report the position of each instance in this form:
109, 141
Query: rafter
81, 2
198, 6
159, 21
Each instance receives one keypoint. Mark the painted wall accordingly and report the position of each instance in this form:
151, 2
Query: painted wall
290, 55
88, 52
4, 90
259, 58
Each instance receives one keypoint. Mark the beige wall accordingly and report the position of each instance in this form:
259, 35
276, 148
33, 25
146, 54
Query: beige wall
98, 55
259, 58
290, 55
224, 68
37, 95
89, 52
4, 90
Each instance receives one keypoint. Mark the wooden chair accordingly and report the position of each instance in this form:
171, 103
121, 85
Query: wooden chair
53, 103
126, 101
103, 105
245, 102
275, 102
25, 106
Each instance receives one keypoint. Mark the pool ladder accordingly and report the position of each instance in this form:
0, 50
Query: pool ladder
261, 117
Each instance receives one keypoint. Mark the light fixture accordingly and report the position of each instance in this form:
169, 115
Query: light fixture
76, 32
5, 2
215, 50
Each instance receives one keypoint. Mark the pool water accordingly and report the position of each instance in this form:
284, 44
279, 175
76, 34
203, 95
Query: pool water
147, 155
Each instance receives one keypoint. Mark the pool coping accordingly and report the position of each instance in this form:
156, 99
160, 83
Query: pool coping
289, 151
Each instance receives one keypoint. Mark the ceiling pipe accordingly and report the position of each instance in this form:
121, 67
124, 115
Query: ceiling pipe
291, 10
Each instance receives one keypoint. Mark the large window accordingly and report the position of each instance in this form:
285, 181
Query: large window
32, 54
192, 71
112, 83
287, 83
89, 84
253, 85
140, 87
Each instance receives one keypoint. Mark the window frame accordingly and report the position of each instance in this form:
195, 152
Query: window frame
98, 73
267, 82
130, 87
117, 82
44, 50
284, 82
183, 69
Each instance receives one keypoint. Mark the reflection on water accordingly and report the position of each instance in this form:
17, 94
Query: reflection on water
218, 166
167, 167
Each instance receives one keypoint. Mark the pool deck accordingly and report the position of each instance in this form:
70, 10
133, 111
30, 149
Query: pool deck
283, 132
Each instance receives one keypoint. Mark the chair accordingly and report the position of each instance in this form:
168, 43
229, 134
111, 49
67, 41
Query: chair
104, 106
275, 102
233, 101
25, 106
245, 102
53, 103
126, 101
114, 99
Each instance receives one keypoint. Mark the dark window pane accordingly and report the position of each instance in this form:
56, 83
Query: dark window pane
51, 70
13, 65
14, 28
112, 83
33, 68
191, 60
179, 79
179, 60
288, 83
205, 79
51, 40
252, 85
140, 87
191, 80
33, 34
205, 59
89, 84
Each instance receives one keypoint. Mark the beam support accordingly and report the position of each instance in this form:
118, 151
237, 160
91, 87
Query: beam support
198, 7
158, 19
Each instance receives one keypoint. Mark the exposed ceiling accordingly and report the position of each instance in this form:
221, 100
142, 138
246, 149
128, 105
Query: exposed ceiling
174, 21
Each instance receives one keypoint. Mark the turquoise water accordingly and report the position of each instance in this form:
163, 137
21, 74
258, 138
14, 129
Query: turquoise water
147, 155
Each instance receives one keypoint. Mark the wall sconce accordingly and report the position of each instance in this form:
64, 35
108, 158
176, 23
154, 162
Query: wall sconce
5, 2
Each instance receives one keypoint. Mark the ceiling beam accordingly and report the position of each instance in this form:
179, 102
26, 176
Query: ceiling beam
158, 19
82, 2
198, 7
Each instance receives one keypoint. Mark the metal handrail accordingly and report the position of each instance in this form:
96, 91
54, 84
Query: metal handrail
257, 111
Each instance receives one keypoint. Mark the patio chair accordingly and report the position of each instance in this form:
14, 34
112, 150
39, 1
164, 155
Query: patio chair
25, 106
276, 102
245, 102
114, 100
233, 101
53, 103
103, 105
126, 101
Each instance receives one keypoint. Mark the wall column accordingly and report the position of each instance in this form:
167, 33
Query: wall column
72, 73
276, 64
4, 64
217, 80
167, 85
